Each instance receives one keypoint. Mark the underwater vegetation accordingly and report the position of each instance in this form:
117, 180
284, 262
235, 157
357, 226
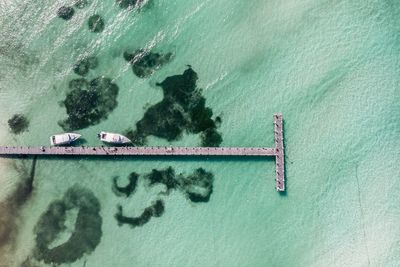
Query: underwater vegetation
166, 177
25, 188
18, 123
83, 66
129, 188
65, 12
85, 236
144, 63
10, 212
88, 103
96, 23
197, 187
210, 138
183, 108
156, 209
81, 4
80, 83
129, 4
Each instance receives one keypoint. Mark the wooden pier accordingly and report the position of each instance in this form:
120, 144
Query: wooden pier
277, 151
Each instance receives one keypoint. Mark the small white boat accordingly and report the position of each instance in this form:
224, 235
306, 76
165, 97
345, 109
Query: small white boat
113, 138
63, 139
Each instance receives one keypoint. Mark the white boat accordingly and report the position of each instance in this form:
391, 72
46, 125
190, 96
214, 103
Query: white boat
63, 139
113, 138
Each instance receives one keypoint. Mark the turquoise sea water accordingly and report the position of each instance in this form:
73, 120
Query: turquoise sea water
331, 67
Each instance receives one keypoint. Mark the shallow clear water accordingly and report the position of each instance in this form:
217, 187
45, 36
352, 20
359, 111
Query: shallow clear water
332, 69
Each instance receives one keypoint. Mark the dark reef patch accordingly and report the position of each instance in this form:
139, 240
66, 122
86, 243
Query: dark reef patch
166, 177
218, 121
96, 23
18, 123
90, 105
25, 189
125, 4
10, 209
210, 138
183, 108
29, 262
81, 3
197, 187
164, 120
127, 190
92, 61
65, 12
130, 4
144, 63
87, 232
78, 84
155, 210
83, 66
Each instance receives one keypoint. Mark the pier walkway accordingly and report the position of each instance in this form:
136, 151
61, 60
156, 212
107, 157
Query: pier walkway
277, 151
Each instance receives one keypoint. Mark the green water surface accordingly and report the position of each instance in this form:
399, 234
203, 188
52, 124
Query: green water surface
331, 67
